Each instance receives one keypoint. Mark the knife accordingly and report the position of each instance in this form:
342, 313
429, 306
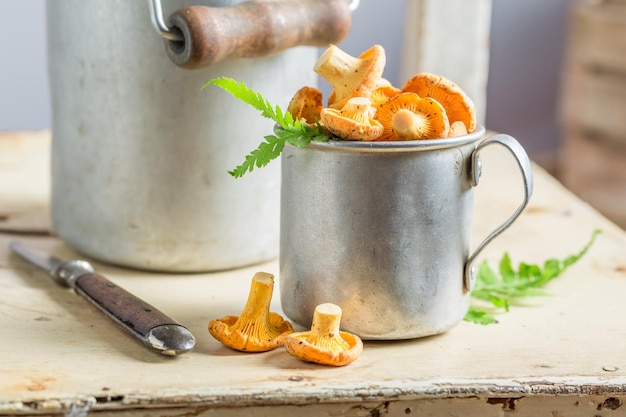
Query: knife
144, 322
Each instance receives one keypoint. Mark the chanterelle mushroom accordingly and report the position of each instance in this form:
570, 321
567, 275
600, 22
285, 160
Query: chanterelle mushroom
458, 105
406, 116
382, 94
457, 128
350, 76
256, 329
306, 105
353, 122
325, 343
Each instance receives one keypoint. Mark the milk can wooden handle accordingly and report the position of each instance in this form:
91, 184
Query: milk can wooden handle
254, 29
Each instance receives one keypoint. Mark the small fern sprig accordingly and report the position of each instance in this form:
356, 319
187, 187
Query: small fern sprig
288, 130
496, 289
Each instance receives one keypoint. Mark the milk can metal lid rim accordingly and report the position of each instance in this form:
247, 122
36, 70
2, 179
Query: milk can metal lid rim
399, 146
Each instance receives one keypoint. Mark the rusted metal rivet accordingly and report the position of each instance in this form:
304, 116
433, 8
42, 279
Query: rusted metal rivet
610, 368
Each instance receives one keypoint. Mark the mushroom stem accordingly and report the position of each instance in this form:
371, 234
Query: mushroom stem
350, 76
326, 321
335, 64
325, 343
260, 296
406, 123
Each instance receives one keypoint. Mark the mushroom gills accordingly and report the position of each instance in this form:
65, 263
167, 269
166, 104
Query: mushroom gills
407, 116
454, 100
353, 122
256, 329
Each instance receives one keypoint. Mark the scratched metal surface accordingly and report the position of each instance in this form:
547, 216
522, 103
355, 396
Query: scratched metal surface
61, 356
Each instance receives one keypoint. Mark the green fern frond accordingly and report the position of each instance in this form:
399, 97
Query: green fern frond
289, 130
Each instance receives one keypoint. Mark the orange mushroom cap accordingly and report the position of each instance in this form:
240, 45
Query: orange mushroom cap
406, 116
353, 122
458, 105
256, 329
325, 343
382, 94
306, 104
349, 76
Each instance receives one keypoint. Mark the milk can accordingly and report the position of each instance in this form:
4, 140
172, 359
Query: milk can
140, 152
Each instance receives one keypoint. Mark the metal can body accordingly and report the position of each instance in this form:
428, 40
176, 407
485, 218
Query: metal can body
140, 153
383, 230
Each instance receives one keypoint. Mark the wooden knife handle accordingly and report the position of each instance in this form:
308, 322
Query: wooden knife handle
254, 29
142, 320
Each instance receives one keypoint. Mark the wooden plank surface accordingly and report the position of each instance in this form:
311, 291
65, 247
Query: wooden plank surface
58, 355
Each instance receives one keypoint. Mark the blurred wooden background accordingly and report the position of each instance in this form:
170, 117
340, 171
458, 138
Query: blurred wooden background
592, 161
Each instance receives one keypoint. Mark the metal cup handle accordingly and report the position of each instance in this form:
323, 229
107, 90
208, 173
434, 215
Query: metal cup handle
523, 162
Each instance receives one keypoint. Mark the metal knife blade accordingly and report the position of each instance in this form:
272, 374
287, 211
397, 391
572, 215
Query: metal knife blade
146, 323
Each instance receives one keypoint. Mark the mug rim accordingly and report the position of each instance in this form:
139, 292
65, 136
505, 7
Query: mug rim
399, 146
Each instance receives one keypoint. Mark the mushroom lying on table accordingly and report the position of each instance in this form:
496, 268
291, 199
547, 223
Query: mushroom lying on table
256, 329
325, 343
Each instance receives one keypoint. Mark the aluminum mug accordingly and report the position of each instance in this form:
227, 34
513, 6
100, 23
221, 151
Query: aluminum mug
384, 230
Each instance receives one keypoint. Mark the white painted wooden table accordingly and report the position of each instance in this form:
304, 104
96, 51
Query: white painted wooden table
563, 355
